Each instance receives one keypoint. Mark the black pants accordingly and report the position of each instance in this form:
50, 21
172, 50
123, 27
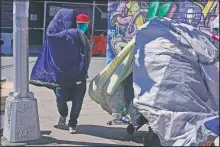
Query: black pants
74, 93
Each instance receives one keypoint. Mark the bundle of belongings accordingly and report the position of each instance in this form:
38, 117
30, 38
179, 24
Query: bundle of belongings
175, 79
215, 28
107, 88
64, 58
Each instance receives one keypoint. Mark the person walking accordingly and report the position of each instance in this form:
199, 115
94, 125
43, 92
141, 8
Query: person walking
64, 61
76, 91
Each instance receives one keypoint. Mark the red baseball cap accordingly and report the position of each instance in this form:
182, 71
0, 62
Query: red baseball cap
82, 18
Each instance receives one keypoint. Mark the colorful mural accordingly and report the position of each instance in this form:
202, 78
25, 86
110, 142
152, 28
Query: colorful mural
126, 16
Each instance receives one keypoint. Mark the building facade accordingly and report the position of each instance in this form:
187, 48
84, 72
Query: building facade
41, 13
120, 19
126, 16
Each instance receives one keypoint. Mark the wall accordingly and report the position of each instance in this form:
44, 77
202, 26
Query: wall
126, 16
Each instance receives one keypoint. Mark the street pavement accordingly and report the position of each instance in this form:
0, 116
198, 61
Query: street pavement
92, 130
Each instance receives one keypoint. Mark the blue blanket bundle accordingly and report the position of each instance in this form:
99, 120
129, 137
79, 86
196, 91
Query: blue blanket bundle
63, 58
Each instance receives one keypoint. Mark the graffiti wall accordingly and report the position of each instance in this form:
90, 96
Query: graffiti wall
126, 16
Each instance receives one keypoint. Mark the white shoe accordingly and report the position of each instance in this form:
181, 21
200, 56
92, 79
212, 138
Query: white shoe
216, 142
72, 130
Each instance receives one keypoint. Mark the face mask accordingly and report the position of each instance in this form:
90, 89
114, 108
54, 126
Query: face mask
83, 27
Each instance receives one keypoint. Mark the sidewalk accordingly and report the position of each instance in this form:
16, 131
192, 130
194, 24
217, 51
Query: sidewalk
92, 130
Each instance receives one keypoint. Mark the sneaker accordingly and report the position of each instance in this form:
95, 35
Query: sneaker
62, 121
72, 130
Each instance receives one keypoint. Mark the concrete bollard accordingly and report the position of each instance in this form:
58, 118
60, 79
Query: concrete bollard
21, 120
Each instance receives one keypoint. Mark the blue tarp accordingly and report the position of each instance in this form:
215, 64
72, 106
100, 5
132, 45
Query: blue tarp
61, 60
213, 125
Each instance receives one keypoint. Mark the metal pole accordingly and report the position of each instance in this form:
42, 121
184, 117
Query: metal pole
20, 47
20, 125
93, 17
45, 19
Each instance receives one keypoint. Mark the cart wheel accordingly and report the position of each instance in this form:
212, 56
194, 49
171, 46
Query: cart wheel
130, 129
151, 139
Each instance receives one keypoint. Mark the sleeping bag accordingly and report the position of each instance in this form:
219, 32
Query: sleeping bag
64, 58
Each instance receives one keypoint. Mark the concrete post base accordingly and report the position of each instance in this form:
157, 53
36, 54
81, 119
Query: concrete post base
21, 121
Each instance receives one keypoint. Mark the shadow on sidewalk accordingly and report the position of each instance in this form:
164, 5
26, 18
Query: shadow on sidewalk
48, 140
113, 133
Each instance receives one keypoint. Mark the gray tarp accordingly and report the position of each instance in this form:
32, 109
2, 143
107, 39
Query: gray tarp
176, 81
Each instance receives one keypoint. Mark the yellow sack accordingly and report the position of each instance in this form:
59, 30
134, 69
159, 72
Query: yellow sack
107, 83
